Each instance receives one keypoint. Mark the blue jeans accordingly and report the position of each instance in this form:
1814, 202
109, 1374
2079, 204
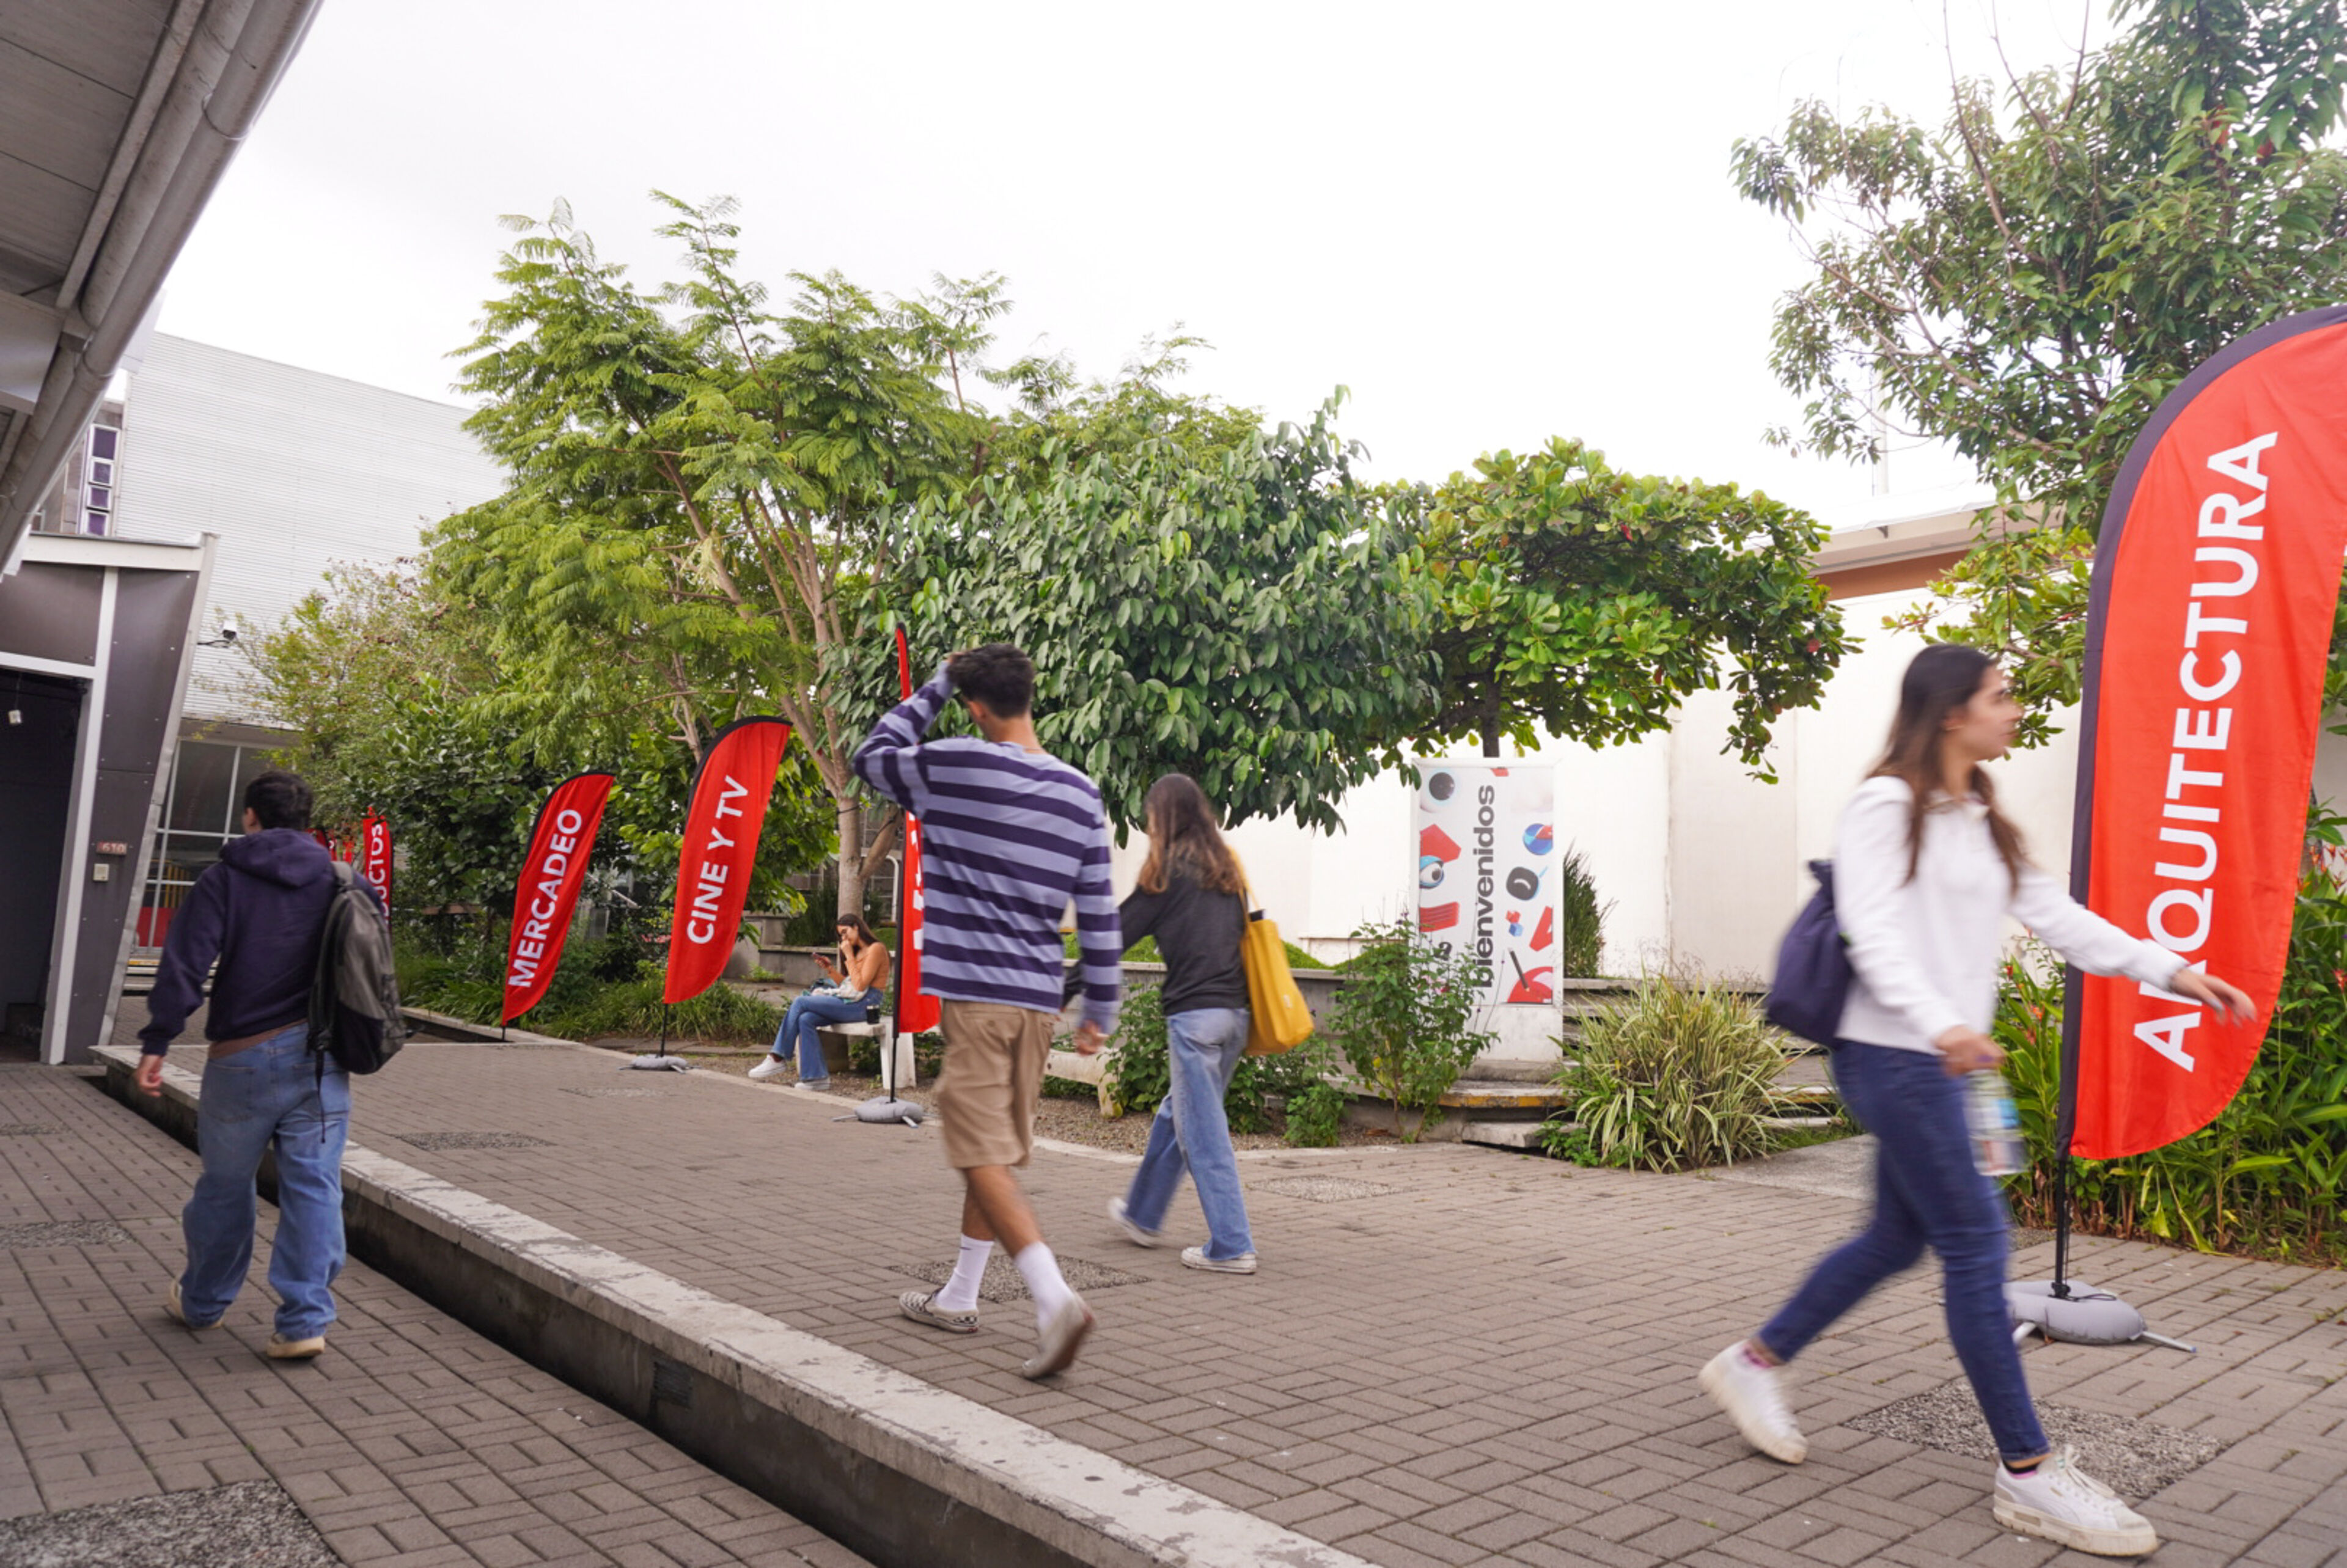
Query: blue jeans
264, 1095
807, 1014
1191, 1133
1926, 1192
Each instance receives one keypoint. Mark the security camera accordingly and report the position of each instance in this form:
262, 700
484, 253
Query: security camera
227, 628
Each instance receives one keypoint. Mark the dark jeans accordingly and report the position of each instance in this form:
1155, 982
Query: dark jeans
1927, 1192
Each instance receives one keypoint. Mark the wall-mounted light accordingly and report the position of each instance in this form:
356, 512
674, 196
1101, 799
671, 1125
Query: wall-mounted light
227, 638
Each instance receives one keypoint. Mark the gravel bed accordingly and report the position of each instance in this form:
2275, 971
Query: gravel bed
252, 1523
36, 1235
2134, 1458
1067, 1121
1002, 1281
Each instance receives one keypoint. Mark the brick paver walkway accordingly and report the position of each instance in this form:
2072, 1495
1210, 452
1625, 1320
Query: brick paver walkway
413, 1443
1481, 1359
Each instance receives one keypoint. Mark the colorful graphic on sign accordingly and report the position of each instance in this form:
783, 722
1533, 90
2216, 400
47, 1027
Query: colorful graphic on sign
1486, 842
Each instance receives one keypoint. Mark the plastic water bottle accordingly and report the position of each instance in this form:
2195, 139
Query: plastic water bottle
1995, 1122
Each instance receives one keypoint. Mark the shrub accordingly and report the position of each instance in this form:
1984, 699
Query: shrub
1315, 1114
1679, 1076
2269, 1175
1402, 1021
1139, 1074
1580, 919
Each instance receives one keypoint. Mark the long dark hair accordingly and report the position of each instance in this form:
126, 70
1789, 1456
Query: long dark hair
856, 924
1183, 837
1940, 680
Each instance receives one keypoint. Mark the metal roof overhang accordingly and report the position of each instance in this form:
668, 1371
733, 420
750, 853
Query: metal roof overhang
123, 115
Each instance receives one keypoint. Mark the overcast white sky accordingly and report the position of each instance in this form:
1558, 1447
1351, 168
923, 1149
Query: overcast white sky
1492, 222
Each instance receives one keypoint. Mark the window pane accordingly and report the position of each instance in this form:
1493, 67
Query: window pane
101, 497
204, 775
96, 523
251, 761
101, 442
101, 472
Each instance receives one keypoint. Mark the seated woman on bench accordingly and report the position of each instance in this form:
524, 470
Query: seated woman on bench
858, 979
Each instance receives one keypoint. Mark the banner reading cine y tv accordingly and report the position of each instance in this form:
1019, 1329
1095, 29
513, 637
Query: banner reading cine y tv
730, 790
1486, 872
551, 875
2216, 583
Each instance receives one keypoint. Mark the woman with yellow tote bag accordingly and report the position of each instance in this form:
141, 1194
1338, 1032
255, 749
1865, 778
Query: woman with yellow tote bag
1190, 895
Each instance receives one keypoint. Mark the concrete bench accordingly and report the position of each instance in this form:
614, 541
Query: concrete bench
835, 1039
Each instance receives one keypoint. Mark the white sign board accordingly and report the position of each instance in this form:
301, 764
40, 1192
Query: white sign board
1486, 872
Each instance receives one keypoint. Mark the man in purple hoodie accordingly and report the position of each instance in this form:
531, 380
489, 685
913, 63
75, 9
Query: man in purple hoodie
262, 913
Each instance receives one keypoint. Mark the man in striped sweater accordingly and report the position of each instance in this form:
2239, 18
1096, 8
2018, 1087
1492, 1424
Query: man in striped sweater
1009, 835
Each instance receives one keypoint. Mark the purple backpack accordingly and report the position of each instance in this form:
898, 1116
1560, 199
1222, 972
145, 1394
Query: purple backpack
1812, 980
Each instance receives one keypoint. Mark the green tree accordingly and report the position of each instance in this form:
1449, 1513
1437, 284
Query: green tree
398, 705
701, 486
1577, 600
2027, 284
1228, 605
380, 684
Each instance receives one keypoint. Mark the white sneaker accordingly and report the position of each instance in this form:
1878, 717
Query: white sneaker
1139, 1235
2059, 1502
769, 1067
1062, 1338
1195, 1257
1749, 1393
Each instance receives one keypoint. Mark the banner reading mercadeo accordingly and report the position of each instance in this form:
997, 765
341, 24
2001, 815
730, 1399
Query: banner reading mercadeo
916, 1011
730, 792
551, 875
2215, 582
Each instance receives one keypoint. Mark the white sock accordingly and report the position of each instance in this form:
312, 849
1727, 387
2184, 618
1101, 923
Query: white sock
1040, 1270
959, 1293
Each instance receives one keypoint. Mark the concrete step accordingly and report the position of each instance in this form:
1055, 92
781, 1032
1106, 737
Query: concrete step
1520, 1136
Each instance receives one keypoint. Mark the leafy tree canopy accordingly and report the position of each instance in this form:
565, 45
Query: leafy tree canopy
2029, 280
1574, 599
1229, 605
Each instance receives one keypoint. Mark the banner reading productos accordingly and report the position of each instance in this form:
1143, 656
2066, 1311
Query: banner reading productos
730, 792
551, 875
1486, 863
2215, 582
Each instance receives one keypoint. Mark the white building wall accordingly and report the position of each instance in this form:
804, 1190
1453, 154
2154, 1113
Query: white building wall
297, 472
1705, 865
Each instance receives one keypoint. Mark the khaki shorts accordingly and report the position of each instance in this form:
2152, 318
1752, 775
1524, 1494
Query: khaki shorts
993, 1082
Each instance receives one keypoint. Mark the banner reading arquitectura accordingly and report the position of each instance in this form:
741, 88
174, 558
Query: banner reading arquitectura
2209, 632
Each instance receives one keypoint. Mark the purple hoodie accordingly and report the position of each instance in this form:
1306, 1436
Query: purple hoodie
260, 912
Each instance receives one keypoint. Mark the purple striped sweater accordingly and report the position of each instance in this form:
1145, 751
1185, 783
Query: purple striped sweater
1008, 838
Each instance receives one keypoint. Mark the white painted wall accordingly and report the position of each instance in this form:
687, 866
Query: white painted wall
296, 471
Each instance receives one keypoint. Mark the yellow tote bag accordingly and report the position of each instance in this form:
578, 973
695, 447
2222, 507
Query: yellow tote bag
1277, 1020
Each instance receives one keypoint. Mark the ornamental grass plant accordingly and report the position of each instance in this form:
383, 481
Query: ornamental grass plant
1678, 1076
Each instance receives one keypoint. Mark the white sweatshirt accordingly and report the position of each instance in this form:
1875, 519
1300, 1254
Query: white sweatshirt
1926, 953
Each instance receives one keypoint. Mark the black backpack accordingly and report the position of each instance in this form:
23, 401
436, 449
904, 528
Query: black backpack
354, 1013
1813, 973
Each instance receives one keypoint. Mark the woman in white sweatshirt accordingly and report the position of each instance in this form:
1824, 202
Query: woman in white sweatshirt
1926, 869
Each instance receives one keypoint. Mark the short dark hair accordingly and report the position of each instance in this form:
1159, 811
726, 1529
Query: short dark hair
278, 799
997, 675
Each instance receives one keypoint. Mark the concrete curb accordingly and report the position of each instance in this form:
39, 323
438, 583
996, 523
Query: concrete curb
905, 1473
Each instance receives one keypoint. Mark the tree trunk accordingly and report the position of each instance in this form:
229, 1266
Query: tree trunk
851, 856
1491, 718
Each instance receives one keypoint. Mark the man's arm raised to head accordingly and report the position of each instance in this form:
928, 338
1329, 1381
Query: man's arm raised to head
886, 760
